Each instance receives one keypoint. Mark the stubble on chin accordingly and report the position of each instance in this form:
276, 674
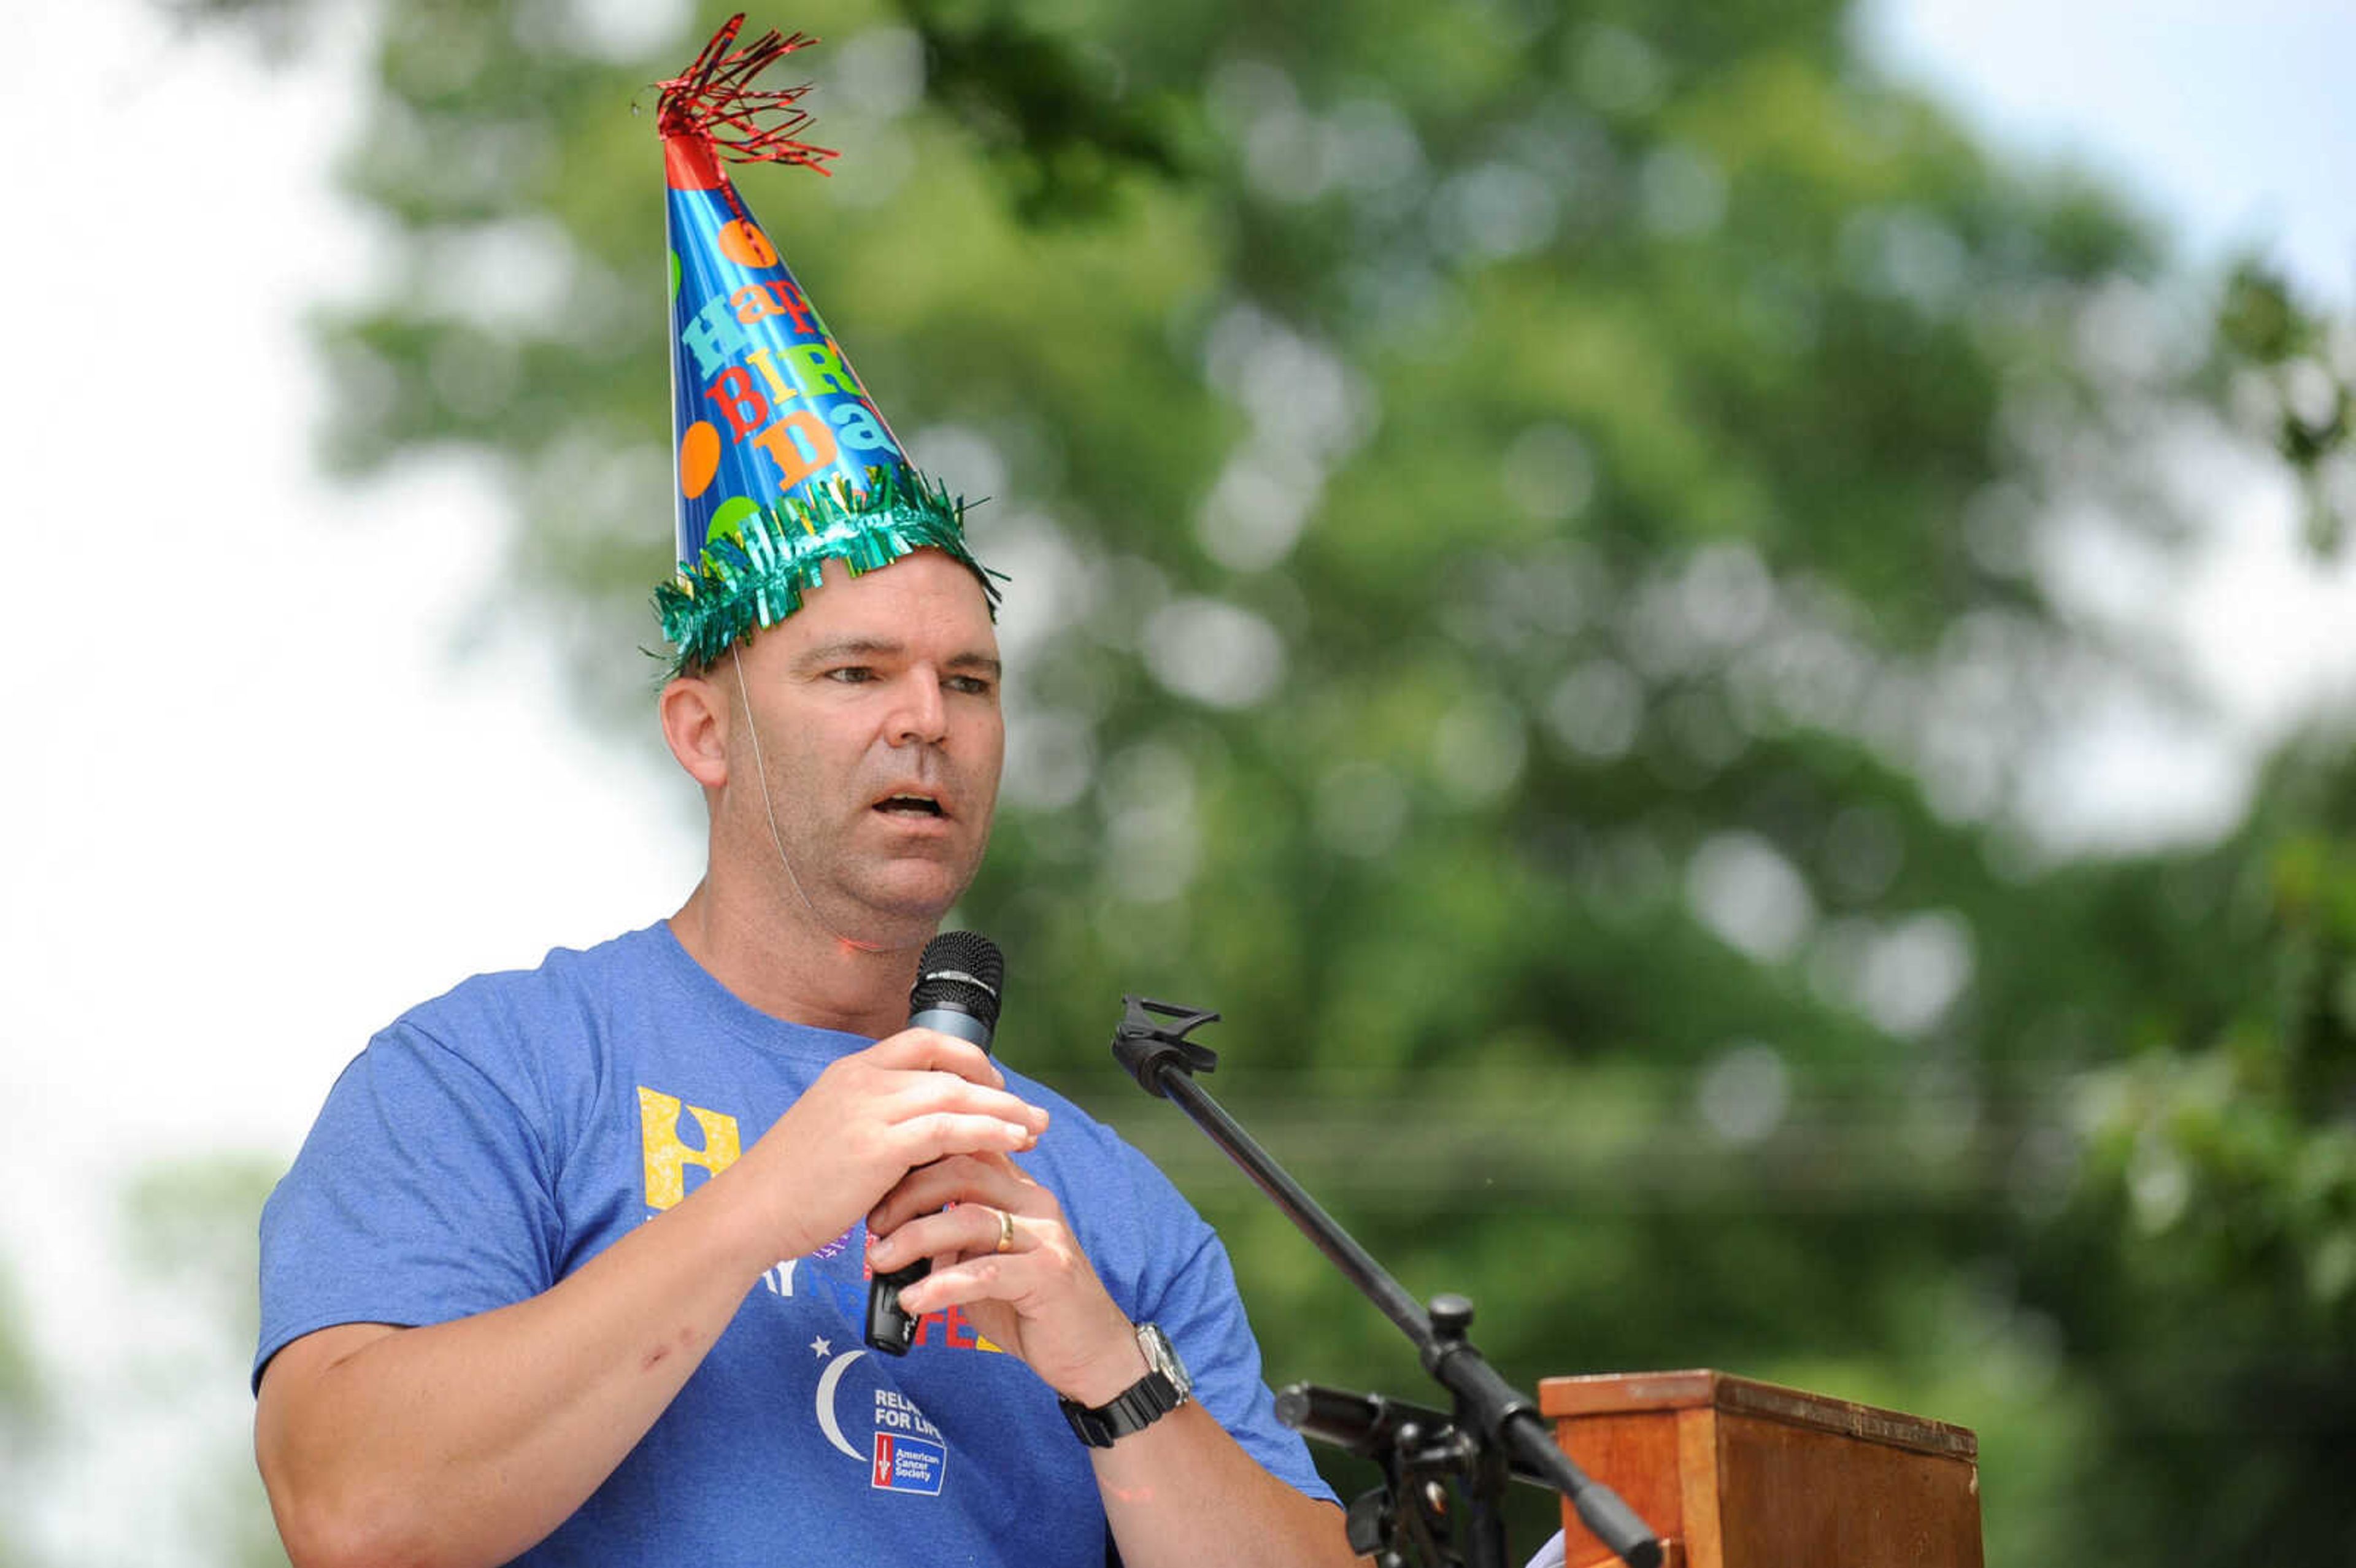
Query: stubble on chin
894, 903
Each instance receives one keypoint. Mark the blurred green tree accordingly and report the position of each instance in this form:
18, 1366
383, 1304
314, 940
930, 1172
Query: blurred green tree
2291, 369
2203, 1273
191, 1251
1530, 530
26, 1416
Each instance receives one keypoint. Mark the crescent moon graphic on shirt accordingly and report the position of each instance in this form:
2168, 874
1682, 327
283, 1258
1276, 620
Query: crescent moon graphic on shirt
827, 1383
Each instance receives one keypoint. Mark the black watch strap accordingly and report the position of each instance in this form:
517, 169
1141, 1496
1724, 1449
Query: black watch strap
1163, 1388
1134, 1409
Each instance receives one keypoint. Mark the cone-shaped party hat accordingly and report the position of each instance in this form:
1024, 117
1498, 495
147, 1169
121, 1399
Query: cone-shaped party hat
783, 461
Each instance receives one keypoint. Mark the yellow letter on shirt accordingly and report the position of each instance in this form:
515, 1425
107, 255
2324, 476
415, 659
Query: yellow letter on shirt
668, 1158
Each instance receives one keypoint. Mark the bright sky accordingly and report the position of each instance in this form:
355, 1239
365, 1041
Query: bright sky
2229, 121
250, 829
2228, 124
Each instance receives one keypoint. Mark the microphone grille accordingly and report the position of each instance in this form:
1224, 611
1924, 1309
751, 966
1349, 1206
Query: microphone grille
959, 970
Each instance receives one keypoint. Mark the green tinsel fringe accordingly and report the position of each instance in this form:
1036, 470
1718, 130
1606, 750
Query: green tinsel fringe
742, 583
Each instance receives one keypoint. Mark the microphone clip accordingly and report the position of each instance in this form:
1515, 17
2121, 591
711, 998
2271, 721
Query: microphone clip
1147, 1049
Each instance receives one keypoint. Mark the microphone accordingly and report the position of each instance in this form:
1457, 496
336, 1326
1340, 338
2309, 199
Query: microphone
958, 981
956, 987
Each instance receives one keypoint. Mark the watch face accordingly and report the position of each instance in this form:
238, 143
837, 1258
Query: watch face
1163, 1357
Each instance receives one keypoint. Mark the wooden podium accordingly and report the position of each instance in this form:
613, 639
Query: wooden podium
1737, 1474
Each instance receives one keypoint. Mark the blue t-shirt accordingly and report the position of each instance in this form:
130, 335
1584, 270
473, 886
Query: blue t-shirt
493, 1140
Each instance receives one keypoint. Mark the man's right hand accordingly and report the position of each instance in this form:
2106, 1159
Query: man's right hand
864, 1123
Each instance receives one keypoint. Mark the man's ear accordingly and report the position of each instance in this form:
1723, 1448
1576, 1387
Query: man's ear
695, 719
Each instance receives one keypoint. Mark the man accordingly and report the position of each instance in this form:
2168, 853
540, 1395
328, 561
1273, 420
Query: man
499, 1320
574, 1265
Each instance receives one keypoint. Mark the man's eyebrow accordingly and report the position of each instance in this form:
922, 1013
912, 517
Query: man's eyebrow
847, 648
857, 647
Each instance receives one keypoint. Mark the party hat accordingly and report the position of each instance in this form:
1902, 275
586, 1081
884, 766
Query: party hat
783, 460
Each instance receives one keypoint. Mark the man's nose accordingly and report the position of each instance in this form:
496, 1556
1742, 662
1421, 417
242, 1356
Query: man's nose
919, 716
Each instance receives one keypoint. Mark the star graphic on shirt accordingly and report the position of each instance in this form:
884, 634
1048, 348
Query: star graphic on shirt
821, 1348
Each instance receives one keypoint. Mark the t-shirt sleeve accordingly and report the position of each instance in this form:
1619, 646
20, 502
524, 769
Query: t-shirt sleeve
422, 1194
1202, 1312
1174, 1272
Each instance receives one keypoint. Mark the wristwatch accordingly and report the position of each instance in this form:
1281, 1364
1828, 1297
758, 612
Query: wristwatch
1161, 1390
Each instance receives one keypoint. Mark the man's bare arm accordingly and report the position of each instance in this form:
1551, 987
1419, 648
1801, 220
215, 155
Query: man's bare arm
1183, 1491
467, 1442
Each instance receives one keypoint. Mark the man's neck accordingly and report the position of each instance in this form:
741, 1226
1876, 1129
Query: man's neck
791, 970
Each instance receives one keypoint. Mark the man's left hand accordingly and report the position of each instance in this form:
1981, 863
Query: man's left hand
1038, 1297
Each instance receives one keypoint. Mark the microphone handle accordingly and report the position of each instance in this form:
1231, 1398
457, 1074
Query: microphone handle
953, 1021
890, 1327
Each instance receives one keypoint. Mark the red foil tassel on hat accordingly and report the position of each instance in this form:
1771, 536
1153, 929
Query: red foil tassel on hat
711, 110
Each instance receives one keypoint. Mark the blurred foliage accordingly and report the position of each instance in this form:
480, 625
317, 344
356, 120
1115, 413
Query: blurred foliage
188, 1225
146, 1454
2296, 379
1526, 524
193, 1254
26, 1416
2204, 1274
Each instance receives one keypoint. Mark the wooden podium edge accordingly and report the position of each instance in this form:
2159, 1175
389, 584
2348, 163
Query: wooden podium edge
1628, 1393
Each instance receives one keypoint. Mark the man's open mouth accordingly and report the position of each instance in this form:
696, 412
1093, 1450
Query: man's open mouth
910, 805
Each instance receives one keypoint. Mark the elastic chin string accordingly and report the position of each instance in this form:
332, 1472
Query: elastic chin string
769, 806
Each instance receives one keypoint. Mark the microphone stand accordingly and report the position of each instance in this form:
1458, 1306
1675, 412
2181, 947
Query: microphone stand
1493, 1430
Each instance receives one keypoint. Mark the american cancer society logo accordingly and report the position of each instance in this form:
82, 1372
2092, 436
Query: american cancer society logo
909, 1453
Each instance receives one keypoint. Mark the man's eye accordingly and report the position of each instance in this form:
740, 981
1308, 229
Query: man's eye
852, 674
970, 685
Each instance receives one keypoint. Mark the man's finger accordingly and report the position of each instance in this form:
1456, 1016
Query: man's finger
914, 1093
969, 1230
919, 1140
985, 1176
926, 1049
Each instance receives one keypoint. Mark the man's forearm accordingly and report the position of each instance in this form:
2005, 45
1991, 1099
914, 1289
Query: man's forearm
1182, 1492
467, 1442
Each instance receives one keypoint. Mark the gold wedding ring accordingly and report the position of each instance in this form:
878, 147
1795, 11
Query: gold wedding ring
1005, 1232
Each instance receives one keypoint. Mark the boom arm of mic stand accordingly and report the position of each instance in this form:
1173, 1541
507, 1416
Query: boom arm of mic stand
1164, 1063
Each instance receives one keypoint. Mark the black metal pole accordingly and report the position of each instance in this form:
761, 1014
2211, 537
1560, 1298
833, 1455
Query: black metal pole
1286, 1194
1164, 1062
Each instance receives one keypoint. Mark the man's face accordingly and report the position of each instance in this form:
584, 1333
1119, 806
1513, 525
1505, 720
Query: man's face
876, 707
